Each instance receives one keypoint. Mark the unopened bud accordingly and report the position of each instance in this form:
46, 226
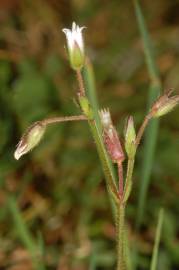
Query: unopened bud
111, 138
130, 137
30, 139
75, 46
164, 104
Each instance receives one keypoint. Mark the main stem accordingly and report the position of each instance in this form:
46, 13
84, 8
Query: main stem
121, 264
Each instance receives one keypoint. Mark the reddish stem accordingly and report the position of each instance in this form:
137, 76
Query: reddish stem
60, 119
121, 180
142, 129
80, 82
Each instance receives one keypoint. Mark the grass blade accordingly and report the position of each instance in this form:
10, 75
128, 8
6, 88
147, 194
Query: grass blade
157, 241
147, 44
92, 262
23, 232
89, 79
152, 130
41, 248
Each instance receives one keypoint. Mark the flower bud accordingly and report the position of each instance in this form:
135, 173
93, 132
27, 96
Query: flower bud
111, 138
30, 139
164, 104
75, 46
130, 137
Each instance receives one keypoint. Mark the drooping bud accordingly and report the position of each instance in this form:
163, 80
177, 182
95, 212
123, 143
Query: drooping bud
111, 138
30, 139
75, 46
130, 137
164, 104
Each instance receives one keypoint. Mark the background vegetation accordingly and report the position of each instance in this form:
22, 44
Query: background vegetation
53, 201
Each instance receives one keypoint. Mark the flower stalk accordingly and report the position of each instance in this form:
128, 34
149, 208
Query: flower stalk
142, 129
80, 83
121, 180
60, 119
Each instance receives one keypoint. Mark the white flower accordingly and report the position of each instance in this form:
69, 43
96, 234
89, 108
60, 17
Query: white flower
75, 45
74, 36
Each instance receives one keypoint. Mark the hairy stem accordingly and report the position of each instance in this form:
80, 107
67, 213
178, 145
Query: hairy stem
128, 183
60, 119
142, 129
80, 83
110, 181
121, 264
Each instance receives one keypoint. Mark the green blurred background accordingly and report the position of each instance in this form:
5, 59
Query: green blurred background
59, 188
